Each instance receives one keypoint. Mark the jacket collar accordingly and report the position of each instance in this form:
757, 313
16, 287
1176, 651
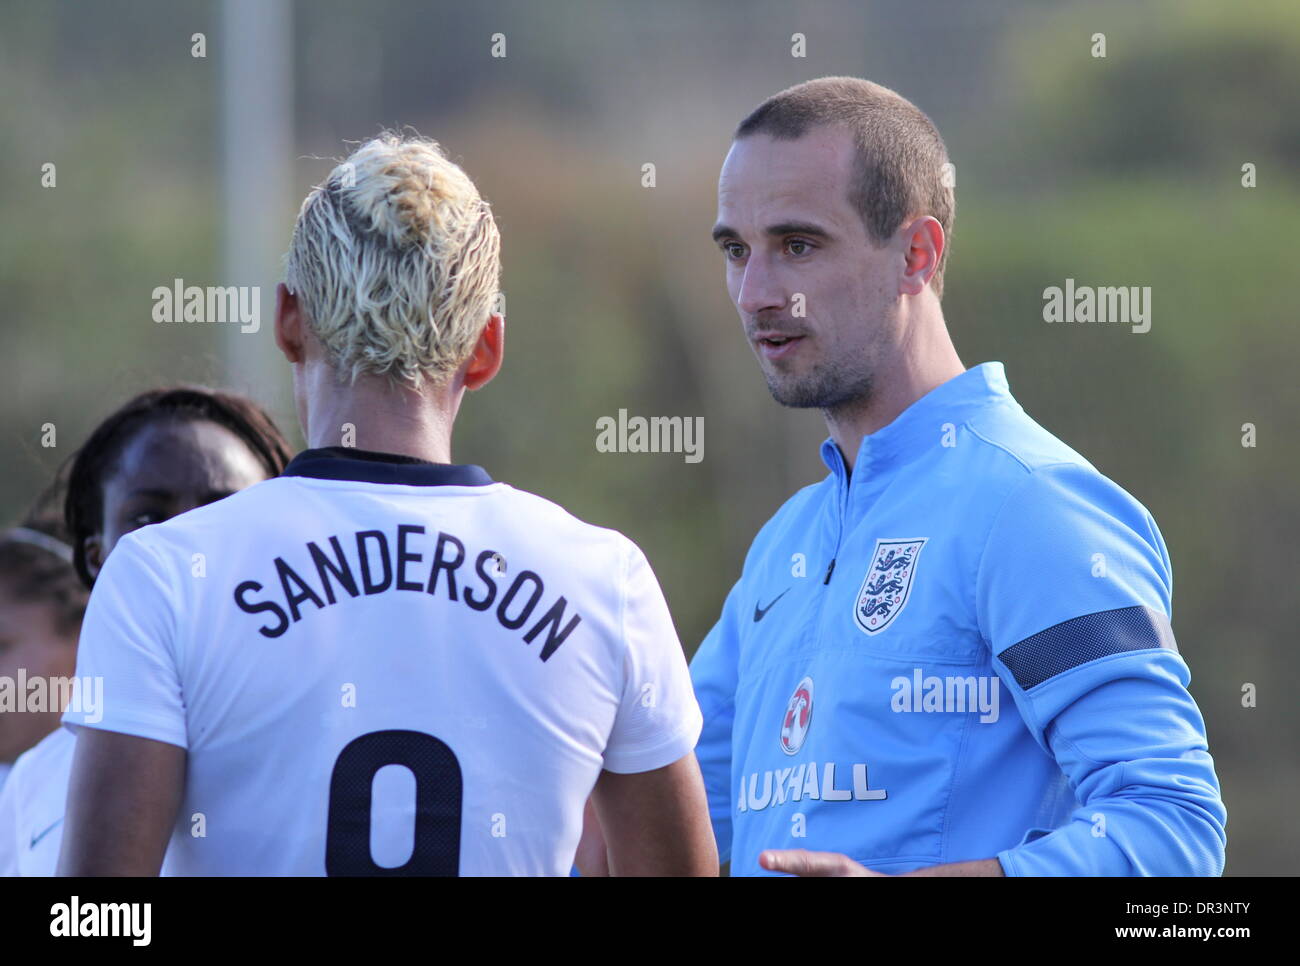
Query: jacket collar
919, 427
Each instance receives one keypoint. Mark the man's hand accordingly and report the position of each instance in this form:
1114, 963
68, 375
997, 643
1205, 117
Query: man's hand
804, 863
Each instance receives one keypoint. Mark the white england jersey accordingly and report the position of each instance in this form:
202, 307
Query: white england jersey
8, 820
384, 666
32, 804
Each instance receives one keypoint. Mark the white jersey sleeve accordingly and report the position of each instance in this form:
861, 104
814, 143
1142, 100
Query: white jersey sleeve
8, 831
126, 640
32, 805
658, 720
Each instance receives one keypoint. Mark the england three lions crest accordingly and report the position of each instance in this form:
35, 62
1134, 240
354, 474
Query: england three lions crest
888, 583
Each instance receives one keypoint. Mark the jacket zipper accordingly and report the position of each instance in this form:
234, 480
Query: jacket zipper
843, 509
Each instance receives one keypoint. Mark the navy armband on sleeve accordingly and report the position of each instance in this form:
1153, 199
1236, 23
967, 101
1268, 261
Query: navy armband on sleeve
1067, 645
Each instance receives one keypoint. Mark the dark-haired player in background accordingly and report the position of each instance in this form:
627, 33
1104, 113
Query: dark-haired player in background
41, 606
164, 452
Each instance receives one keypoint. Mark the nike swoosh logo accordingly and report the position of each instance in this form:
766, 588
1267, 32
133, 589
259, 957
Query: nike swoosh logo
761, 612
37, 838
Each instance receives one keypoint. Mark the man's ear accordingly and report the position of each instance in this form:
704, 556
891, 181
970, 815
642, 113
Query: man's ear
488, 352
288, 324
923, 246
93, 548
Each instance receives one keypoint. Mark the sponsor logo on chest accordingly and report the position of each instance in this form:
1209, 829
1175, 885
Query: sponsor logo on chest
806, 780
798, 716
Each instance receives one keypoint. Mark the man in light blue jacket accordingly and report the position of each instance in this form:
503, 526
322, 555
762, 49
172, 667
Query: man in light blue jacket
854, 689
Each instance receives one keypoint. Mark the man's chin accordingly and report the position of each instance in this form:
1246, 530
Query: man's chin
794, 396
806, 395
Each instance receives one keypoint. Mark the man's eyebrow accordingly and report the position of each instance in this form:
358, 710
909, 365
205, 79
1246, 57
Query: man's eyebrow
721, 231
798, 228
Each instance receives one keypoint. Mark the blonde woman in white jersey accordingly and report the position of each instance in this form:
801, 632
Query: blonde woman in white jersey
391, 665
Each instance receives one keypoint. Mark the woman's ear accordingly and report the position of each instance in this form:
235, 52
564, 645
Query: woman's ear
93, 549
488, 352
288, 324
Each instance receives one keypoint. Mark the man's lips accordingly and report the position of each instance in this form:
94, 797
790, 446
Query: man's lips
776, 345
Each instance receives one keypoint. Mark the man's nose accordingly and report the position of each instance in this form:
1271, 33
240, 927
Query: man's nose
759, 291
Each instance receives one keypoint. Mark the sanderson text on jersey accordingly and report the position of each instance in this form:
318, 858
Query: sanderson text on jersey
369, 562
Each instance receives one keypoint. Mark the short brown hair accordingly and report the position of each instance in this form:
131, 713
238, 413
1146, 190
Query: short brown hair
900, 155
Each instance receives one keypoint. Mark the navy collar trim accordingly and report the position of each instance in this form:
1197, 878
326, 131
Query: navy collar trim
365, 466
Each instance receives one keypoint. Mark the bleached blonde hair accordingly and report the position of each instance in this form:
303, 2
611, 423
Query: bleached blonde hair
396, 260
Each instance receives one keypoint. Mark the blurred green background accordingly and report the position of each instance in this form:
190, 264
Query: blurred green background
1123, 170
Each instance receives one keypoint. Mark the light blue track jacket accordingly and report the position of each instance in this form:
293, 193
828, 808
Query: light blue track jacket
855, 689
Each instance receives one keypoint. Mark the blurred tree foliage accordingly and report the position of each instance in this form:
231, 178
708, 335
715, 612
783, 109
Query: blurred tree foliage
1117, 171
